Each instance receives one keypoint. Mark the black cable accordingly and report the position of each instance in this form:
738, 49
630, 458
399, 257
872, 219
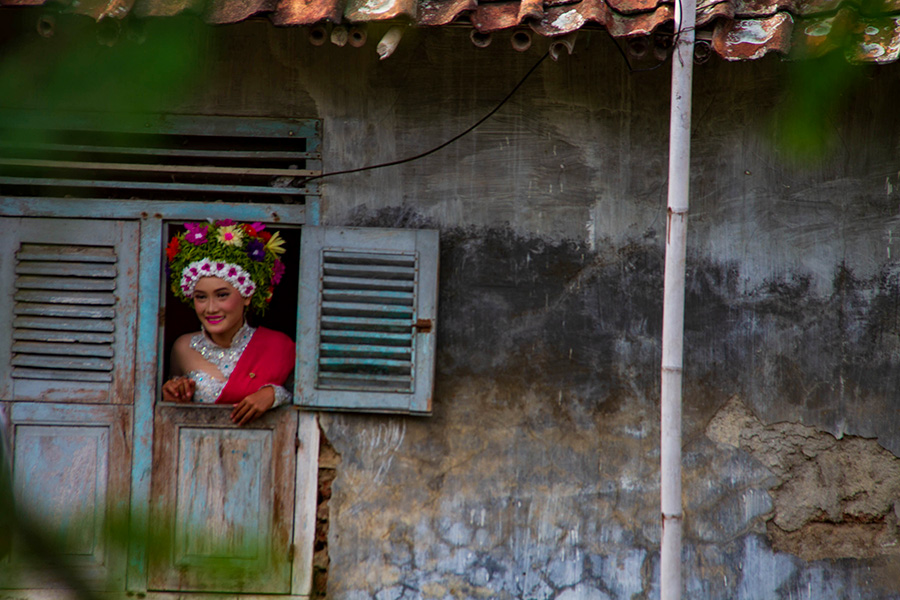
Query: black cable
445, 144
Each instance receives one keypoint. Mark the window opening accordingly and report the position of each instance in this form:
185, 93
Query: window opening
281, 314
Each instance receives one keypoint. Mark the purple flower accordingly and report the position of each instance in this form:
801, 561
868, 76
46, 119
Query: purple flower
277, 271
196, 233
224, 223
256, 250
257, 227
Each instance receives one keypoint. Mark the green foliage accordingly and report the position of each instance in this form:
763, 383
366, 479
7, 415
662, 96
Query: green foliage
116, 67
817, 91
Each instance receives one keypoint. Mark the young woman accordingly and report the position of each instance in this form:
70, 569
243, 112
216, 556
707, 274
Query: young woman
224, 269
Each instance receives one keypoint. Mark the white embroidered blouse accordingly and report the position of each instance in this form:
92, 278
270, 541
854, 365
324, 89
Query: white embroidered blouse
208, 387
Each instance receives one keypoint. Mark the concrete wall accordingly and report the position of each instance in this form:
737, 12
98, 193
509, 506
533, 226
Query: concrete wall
537, 475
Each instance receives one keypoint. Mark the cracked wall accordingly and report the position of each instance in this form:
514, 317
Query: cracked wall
537, 475
831, 498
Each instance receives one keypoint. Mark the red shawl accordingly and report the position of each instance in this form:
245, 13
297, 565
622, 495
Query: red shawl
267, 359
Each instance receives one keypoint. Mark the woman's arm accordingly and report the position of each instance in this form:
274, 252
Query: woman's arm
179, 388
253, 406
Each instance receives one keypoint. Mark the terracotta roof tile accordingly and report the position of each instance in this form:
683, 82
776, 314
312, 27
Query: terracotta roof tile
865, 30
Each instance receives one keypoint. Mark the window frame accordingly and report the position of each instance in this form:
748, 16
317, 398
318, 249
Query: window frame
148, 349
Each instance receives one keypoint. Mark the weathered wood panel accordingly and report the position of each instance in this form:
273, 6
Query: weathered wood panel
222, 498
71, 474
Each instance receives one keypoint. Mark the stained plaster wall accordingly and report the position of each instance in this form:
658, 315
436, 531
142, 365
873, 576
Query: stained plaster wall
537, 474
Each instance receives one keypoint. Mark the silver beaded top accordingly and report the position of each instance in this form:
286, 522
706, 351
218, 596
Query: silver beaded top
208, 387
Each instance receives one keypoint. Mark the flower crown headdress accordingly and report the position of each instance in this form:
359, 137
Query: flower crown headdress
243, 254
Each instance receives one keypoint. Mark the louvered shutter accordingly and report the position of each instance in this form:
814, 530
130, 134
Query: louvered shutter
368, 308
197, 158
70, 306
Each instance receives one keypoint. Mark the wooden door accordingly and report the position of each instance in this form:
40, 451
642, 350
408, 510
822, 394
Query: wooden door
66, 388
222, 500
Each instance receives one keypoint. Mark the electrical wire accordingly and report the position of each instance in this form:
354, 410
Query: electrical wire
481, 120
441, 146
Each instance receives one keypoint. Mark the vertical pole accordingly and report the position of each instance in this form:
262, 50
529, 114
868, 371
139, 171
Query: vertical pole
673, 300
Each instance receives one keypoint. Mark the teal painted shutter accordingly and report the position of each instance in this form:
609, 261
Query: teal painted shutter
368, 310
66, 383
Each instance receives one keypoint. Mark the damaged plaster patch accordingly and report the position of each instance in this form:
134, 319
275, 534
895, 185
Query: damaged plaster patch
833, 498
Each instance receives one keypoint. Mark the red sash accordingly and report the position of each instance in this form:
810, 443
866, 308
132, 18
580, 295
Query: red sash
267, 359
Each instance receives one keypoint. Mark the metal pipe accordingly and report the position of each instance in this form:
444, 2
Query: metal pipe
673, 301
46, 25
565, 42
389, 42
358, 37
481, 40
317, 35
340, 36
521, 40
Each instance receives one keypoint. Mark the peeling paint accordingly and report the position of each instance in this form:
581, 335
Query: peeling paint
833, 498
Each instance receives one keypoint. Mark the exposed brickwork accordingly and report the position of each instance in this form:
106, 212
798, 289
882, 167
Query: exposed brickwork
328, 464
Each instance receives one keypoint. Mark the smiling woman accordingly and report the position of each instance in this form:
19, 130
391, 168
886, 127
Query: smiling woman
223, 270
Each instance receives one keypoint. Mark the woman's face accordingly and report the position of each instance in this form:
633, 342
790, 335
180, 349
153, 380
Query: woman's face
220, 308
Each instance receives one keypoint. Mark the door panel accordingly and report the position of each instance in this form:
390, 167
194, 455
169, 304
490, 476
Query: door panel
222, 500
71, 473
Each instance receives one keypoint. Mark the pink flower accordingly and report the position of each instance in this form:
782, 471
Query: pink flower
278, 269
196, 233
231, 236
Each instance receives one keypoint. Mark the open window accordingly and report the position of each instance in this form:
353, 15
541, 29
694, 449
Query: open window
87, 209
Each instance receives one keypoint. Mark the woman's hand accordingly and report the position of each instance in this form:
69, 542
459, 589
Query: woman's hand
179, 389
253, 406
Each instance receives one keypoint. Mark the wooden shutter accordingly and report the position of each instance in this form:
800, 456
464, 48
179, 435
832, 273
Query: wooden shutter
66, 383
368, 308
69, 310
